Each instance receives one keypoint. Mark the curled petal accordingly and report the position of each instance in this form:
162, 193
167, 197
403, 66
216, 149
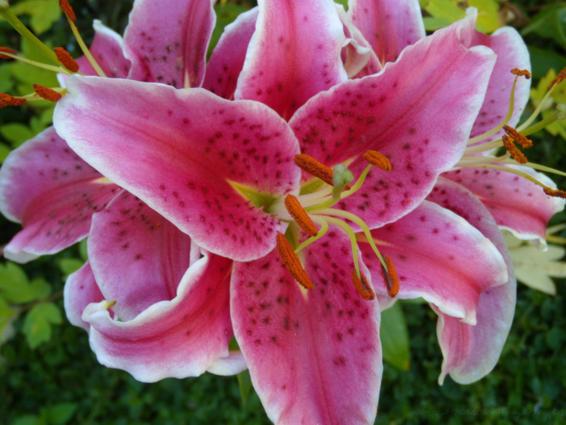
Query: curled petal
80, 290
471, 352
314, 357
167, 40
440, 257
293, 54
227, 59
389, 25
516, 204
108, 49
53, 193
177, 338
178, 151
512, 53
138, 258
228, 366
410, 112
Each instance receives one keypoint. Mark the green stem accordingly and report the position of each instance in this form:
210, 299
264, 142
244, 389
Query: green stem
19, 26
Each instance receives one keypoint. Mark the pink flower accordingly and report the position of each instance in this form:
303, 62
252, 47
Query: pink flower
220, 171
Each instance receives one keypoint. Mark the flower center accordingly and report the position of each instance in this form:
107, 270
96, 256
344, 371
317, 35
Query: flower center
312, 213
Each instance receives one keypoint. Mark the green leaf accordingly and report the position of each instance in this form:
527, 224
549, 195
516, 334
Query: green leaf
16, 288
7, 314
4, 152
395, 338
444, 12
16, 133
83, 250
550, 23
69, 265
43, 13
28, 75
27, 420
225, 14
59, 414
544, 60
6, 82
38, 322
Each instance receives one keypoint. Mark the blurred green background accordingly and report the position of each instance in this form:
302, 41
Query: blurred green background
49, 376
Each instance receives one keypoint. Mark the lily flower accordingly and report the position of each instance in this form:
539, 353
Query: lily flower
237, 178
43, 184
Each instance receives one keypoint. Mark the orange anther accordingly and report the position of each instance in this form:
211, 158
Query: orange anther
521, 73
66, 59
314, 167
557, 193
513, 150
378, 159
6, 50
299, 214
363, 287
291, 262
524, 141
9, 100
391, 277
68, 10
559, 78
47, 93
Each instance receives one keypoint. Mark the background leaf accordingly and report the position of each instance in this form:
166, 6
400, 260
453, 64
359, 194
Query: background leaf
395, 337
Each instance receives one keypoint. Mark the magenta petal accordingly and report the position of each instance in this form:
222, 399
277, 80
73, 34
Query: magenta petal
294, 54
389, 25
440, 257
177, 149
227, 59
178, 338
107, 48
138, 258
512, 53
471, 352
167, 40
516, 204
80, 290
314, 357
411, 112
52, 192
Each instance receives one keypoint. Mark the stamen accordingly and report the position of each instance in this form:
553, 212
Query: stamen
71, 19
363, 287
308, 242
513, 150
314, 167
378, 159
521, 73
557, 193
292, 262
559, 78
66, 59
300, 215
9, 100
7, 50
47, 93
391, 278
68, 10
524, 141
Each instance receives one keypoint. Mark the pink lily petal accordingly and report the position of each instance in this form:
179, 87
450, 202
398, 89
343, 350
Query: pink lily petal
177, 338
229, 366
167, 40
80, 290
389, 25
358, 55
471, 352
150, 253
440, 257
516, 204
512, 53
294, 54
108, 49
176, 150
314, 357
411, 112
53, 193
227, 59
